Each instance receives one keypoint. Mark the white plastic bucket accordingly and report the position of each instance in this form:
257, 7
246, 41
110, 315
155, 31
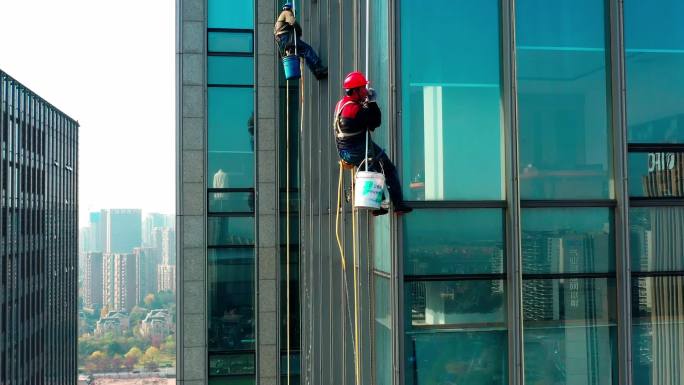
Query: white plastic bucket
369, 187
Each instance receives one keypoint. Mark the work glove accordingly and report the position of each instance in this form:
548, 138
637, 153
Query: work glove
372, 94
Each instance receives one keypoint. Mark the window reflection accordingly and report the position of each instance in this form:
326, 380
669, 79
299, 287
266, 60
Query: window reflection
231, 299
574, 240
658, 330
562, 100
452, 131
569, 333
440, 241
230, 137
656, 174
225, 231
656, 241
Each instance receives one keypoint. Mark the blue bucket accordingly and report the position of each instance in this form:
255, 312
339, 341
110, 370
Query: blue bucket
291, 66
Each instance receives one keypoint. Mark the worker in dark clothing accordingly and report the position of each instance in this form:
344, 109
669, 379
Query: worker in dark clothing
286, 30
356, 114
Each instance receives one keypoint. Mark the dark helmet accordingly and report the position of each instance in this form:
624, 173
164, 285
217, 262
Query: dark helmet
287, 5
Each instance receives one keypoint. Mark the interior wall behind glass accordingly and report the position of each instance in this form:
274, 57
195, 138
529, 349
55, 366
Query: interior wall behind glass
654, 58
452, 135
563, 103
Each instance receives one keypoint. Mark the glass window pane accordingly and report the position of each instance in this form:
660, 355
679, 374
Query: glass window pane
230, 137
230, 280
451, 108
464, 304
230, 42
658, 330
464, 357
231, 364
235, 202
468, 241
238, 380
654, 58
382, 332
232, 70
562, 100
656, 174
568, 240
230, 14
656, 238
229, 231
569, 331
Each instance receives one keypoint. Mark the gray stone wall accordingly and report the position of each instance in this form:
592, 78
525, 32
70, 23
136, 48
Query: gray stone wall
190, 198
268, 351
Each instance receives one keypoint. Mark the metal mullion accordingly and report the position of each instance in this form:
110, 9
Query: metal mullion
456, 204
621, 173
654, 147
3, 262
513, 233
576, 203
674, 273
455, 277
655, 202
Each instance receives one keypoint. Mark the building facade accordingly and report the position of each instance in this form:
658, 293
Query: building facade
146, 260
93, 280
121, 229
39, 239
120, 291
540, 144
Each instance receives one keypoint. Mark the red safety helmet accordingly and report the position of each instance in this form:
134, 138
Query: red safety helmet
354, 80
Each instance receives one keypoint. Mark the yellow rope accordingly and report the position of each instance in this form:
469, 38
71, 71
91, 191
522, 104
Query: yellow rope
357, 370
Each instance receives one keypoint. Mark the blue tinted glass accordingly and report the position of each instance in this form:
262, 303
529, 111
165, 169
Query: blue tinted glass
230, 137
657, 330
382, 333
231, 297
657, 238
466, 304
569, 331
654, 57
232, 380
562, 100
452, 130
568, 240
230, 70
465, 357
656, 174
231, 364
224, 231
230, 42
230, 14
440, 241
225, 202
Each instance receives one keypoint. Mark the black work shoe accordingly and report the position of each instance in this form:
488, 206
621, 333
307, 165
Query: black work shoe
401, 210
379, 212
321, 73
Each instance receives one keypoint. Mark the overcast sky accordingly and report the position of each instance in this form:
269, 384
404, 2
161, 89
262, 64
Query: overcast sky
110, 65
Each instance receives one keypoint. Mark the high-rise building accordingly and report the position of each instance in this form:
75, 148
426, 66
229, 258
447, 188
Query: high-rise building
150, 222
121, 229
92, 280
166, 277
146, 259
39, 238
119, 281
169, 246
540, 144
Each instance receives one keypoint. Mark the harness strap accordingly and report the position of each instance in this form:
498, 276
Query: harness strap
337, 123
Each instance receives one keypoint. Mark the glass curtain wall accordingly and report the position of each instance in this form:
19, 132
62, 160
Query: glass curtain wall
294, 208
230, 192
654, 58
452, 167
379, 73
566, 189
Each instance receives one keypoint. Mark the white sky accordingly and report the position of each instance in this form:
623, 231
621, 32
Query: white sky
110, 65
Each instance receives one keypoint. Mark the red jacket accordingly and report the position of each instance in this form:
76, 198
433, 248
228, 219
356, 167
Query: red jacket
352, 119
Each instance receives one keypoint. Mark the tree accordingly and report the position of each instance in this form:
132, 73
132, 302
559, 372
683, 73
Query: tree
149, 299
98, 360
116, 363
132, 357
104, 311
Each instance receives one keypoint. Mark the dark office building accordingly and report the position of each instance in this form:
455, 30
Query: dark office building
38, 289
540, 143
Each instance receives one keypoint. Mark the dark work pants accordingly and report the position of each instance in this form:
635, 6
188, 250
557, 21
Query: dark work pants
379, 162
303, 50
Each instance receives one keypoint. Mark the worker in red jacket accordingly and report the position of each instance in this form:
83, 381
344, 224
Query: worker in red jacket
356, 114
